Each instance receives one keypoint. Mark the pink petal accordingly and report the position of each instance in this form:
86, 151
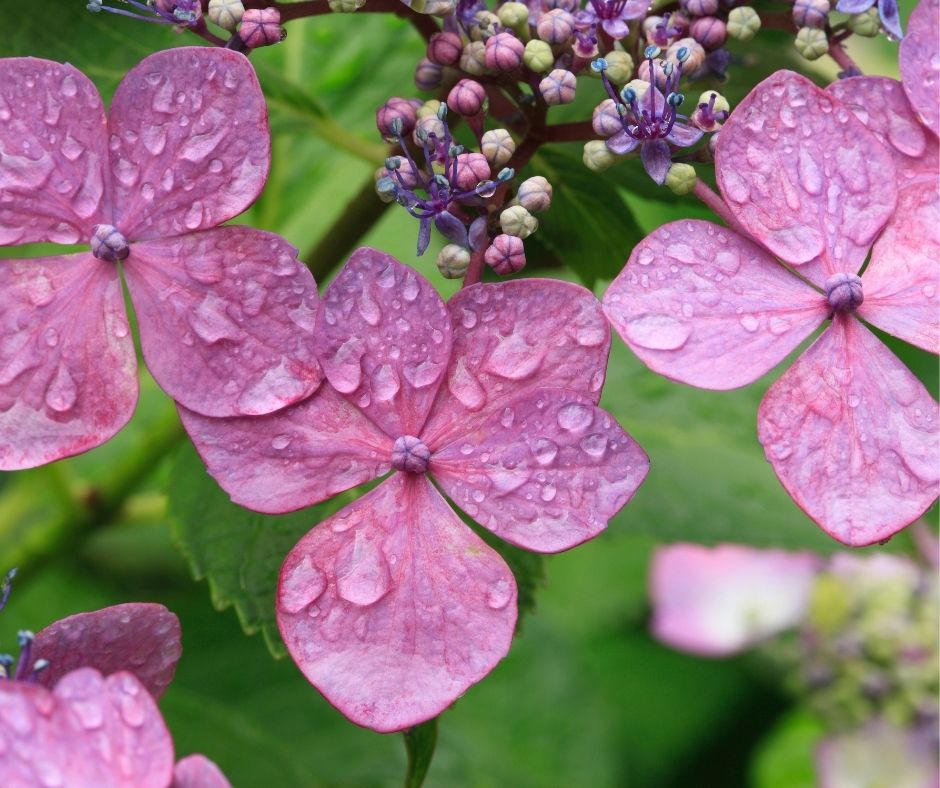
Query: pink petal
292, 458
706, 306
141, 638
384, 340
511, 338
824, 201
68, 373
190, 142
226, 320
89, 731
53, 153
197, 771
900, 284
919, 60
393, 608
716, 601
545, 473
852, 435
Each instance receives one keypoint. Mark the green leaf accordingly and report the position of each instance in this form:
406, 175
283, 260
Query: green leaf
420, 742
785, 758
589, 227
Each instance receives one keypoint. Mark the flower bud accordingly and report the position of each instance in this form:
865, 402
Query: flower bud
453, 261
700, 7
513, 15
681, 178
811, 13
516, 220
395, 108
428, 75
643, 73
504, 52
506, 255
186, 12
261, 27
498, 146
811, 43
444, 48
473, 58
535, 194
866, 24
425, 127
428, 109
405, 172
558, 87
466, 98
606, 120
597, 156
565, 5
743, 23
385, 187
555, 27
695, 55
226, 13
538, 56
619, 66
709, 31
345, 6
472, 168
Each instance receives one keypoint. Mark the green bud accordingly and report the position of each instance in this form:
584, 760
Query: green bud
498, 146
681, 178
473, 58
619, 66
453, 261
743, 23
513, 15
517, 221
811, 43
866, 24
346, 6
226, 13
429, 109
538, 56
598, 157
721, 103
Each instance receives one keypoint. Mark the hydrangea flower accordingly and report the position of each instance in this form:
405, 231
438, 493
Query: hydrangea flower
393, 607
224, 312
611, 15
87, 716
850, 432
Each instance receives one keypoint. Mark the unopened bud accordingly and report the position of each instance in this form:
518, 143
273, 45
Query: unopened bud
473, 58
694, 60
425, 128
516, 220
681, 178
811, 43
506, 255
428, 75
743, 23
709, 31
866, 24
558, 87
498, 146
538, 56
226, 13
513, 15
597, 156
472, 168
700, 7
453, 261
555, 27
535, 194
467, 98
395, 109
504, 52
619, 66
444, 48
811, 13
429, 109
261, 27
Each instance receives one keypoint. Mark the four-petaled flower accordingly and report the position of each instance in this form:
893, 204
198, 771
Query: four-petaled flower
611, 15
393, 607
224, 314
850, 432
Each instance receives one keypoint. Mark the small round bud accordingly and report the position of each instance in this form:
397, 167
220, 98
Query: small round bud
743, 23
535, 194
395, 108
107, 243
345, 6
513, 15
186, 12
428, 109
643, 72
472, 168
498, 146
226, 13
695, 55
453, 261
709, 31
404, 172
538, 56
811, 13
811, 43
721, 103
516, 220
555, 27
444, 48
467, 97
428, 75
866, 24
565, 5
473, 58
506, 255
484, 25
386, 187
844, 292
558, 87
597, 156
504, 52
426, 128
606, 120
261, 27
700, 7
681, 178
619, 66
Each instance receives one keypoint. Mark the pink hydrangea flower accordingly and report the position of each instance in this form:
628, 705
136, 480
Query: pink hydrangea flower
89, 718
224, 312
393, 607
850, 432
717, 601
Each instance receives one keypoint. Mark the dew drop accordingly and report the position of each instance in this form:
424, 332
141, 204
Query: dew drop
574, 416
507, 417
498, 595
548, 492
646, 256
516, 359
362, 574
545, 451
62, 391
749, 323
423, 374
71, 148
280, 442
369, 309
51, 337
68, 86
385, 383
194, 215
464, 385
658, 332
301, 585
595, 444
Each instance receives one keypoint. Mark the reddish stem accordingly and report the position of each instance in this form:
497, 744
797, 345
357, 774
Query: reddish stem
837, 52
704, 192
475, 269
570, 132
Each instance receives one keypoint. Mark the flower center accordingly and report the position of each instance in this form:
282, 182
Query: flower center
107, 243
844, 292
410, 454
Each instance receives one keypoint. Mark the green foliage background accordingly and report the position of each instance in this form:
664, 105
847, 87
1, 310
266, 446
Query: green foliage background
585, 698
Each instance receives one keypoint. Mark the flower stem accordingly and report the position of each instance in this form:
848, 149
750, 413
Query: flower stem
704, 192
420, 742
475, 269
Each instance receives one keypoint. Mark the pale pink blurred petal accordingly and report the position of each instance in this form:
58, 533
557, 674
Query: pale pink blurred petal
197, 771
546, 472
68, 373
513, 337
384, 339
53, 153
393, 608
852, 435
902, 280
716, 601
89, 731
190, 142
226, 320
293, 458
804, 176
141, 638
919, 59
703, 305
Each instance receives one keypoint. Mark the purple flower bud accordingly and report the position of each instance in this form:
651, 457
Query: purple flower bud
558, 87
410, 455
606, 119
427, 127
506, 255
504, 52
811, 13
394, 108
428, 75
535, 194
472, 168
643, 72
261, 27
555, 27
444, 48
186, 12
709, 31
565, 5
844, 292
401, 171
107, 243
700, 7
466, 98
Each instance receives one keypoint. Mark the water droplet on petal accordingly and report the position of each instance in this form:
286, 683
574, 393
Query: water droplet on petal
51, 337
466, 388
516, 359
301, 585
750, 323
548, 492
545, 451
62, 391
362, 574
424, 374
658, 332
280, 442
193, 217
385, 383
594, 444
68, 86
574, 416
498, 595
